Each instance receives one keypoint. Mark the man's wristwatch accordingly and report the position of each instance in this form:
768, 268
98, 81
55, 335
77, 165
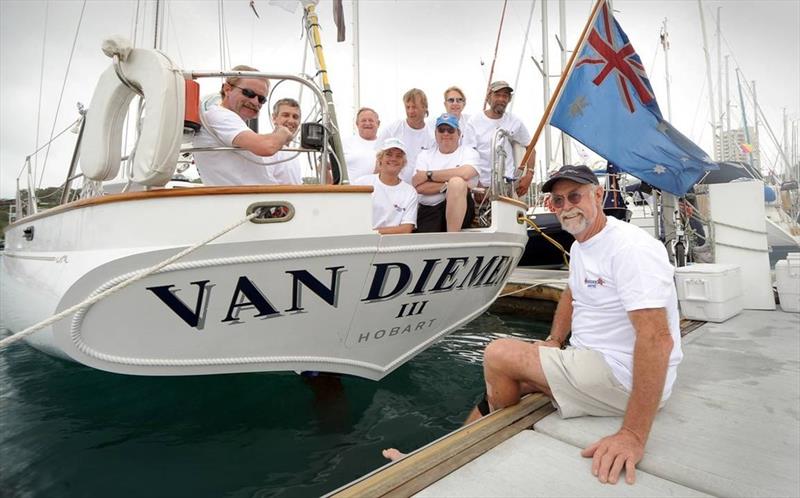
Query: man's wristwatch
429, 174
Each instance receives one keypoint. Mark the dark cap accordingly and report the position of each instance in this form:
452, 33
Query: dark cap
499, 85
577, 174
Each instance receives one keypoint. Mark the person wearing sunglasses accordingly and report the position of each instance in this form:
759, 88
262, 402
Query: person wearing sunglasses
454, 103
443, 179
225, 125
412, 131
621, 308
486, 123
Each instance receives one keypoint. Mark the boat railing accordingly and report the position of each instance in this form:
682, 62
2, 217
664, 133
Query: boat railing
328, 146
499, 184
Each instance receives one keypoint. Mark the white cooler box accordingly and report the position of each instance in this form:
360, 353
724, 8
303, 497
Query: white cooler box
787, 277
707, 292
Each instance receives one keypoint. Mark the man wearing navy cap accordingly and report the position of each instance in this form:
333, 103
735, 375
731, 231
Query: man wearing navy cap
621, 308
443, 178
486, 123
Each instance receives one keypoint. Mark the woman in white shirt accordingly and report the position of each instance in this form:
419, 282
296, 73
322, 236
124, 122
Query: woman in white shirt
394, 202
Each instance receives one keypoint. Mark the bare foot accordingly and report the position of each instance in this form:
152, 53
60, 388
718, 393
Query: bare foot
392, 454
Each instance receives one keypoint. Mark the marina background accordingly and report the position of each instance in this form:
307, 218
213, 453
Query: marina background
403, 44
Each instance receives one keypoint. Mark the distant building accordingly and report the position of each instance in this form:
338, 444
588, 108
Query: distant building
731, 145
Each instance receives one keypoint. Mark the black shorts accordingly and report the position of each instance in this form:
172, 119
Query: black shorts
434, 218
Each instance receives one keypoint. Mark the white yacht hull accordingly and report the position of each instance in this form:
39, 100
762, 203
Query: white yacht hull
320, 292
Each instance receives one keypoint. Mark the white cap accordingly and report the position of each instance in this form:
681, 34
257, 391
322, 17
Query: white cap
394, 143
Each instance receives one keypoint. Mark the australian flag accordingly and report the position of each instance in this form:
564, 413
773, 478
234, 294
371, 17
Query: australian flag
608, 105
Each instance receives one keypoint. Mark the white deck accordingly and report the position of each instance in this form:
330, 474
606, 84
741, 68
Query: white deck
731, 428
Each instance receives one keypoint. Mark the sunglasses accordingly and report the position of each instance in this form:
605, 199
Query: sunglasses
446, 129
251, 94
573, 197
453, 100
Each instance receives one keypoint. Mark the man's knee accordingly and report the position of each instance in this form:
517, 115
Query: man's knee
456, 186
498, 352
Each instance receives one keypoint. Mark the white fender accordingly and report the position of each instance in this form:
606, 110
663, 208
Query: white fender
157, 151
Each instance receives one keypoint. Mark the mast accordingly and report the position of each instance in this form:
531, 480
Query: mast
566, 148
727, 106
756, 142
356, 61
785, 140
744, 117
546, 84
719, 71
314, 38
665, 44
708, 77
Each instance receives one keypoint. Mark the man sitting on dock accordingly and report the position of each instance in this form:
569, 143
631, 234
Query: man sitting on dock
622, 310
224, 126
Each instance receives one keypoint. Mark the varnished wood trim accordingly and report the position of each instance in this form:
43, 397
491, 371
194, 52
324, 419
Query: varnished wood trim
197, 191
515, 202
429, 464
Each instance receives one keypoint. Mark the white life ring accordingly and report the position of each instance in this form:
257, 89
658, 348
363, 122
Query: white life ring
157, 150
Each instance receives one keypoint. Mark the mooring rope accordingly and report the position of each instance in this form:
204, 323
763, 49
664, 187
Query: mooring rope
121, 285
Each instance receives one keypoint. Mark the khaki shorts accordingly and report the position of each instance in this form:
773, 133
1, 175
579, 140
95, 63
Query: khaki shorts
582, 383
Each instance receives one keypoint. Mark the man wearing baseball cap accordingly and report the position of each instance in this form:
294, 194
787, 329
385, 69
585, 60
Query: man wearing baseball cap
621, 308
394, 202
486, 123
443, 177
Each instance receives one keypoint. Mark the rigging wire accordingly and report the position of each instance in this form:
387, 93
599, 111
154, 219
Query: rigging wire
496, 47
61, 95
522, 52
41, 83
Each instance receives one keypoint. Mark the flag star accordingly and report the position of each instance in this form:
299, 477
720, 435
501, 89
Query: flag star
659, 169
662, 127
577, 106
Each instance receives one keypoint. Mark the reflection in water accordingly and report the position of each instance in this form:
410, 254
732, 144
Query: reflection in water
68, 430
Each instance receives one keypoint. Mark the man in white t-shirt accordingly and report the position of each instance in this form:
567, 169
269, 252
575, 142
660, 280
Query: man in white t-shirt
394, 202
284, 166
360, 149
486, 123
412, 131
224, 126
443, 179
622, 310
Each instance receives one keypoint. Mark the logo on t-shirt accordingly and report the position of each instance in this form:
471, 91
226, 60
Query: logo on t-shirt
591, 284
399, 209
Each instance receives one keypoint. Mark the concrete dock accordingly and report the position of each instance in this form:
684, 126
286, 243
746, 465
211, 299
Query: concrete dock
731, 428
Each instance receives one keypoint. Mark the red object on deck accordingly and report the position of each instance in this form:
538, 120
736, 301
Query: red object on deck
191, 112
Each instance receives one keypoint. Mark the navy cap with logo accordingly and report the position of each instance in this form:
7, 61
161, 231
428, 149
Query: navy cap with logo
577, 174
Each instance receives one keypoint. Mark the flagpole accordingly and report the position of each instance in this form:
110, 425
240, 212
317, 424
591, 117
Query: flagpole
557, 93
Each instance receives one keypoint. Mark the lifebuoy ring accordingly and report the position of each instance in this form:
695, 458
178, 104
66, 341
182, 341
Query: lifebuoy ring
156, 153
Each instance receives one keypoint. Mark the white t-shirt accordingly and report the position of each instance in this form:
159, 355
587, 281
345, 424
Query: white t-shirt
467, 137
621, 269
227, 167
285, 172
359, 154
415, 141
392, 205
484, 128
433, 160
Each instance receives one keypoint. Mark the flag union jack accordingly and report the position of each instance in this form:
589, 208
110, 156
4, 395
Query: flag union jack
618, 58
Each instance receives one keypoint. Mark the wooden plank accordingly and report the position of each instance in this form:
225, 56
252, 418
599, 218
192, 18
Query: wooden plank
394, 475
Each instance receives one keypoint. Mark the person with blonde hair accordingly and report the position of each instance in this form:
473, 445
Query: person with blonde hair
413, 131
454, 103
394, 202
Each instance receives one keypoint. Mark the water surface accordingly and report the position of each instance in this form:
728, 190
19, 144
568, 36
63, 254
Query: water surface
71, 431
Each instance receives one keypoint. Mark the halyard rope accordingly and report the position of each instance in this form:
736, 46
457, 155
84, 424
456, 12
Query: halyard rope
121, 285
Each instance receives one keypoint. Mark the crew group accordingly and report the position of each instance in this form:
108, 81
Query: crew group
422, 171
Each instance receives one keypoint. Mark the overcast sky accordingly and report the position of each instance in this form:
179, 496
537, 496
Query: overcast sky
403, 44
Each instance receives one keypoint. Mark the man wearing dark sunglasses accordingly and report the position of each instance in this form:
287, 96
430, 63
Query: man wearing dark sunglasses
224, 125
443, 179
621, 308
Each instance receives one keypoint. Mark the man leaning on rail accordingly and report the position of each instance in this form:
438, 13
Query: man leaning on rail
622, 310
224, 126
